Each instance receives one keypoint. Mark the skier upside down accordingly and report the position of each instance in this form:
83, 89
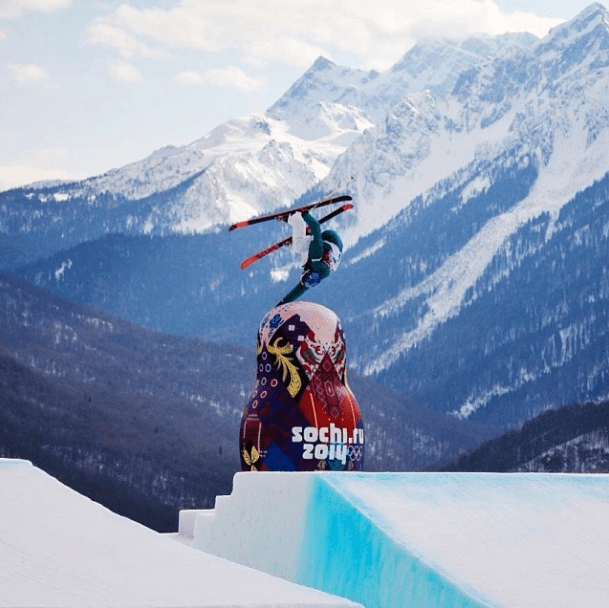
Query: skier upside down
320, 253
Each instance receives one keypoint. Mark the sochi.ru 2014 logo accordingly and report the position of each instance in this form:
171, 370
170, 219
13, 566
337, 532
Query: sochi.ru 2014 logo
329, 443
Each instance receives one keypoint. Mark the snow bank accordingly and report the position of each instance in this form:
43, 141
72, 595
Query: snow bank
402, 539
420, 540
58, 548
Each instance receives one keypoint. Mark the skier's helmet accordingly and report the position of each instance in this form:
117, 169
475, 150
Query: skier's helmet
333, 248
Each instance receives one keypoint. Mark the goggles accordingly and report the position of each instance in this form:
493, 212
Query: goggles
332, 255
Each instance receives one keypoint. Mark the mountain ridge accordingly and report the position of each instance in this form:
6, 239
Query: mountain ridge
472, 279
251, 164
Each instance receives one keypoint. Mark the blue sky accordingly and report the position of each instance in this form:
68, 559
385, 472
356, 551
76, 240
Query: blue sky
90, 85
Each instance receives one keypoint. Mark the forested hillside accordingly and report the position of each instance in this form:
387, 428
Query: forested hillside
148, 423
572, 439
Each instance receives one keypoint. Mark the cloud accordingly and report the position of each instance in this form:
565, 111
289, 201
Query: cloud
450, 18
123, 71
222, 77
38, 164
148, 32
14, 176
11, 9
29, 74
291, 51
119, 38
294, 32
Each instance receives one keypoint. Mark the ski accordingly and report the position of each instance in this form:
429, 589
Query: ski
288, 241
285, 214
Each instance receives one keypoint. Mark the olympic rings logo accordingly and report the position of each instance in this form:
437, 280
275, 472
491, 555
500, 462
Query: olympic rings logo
355, 452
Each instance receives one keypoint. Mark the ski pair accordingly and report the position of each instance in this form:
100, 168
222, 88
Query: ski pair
283, 215
288, 241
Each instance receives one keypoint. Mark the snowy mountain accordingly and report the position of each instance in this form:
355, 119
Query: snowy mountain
545, 103
474, 279
241, 168
497, 176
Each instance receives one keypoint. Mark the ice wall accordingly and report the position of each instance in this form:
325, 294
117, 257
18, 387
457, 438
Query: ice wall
421, 540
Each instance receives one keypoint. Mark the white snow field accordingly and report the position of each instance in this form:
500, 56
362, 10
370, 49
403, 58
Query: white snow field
59, 549
417, 540
420, 540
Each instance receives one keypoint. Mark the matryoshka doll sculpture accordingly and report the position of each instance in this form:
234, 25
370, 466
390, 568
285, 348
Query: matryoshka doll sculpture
302, 415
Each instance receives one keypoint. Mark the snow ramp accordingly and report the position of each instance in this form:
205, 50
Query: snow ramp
419, 540
59, 549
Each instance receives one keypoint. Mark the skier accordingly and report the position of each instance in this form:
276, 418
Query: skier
320, 253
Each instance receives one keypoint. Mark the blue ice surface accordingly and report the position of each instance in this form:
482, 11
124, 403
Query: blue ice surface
374, 569
451, 540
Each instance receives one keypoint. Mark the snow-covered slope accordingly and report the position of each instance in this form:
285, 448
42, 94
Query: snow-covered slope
430, 540
432, 65
240, 168
545, 103
57, 548
264, 161
538, 115
255, 163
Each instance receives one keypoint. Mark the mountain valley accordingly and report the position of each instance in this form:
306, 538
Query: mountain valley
473, 288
